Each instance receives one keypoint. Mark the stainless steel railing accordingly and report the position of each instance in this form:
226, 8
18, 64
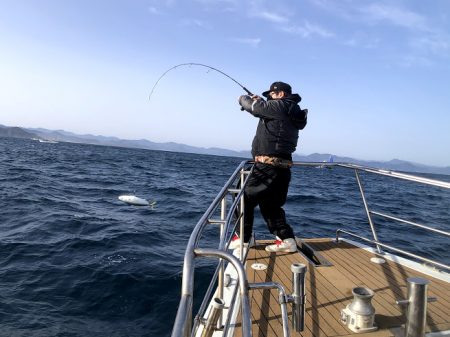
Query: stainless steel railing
231, 219
183, 321
397, 250
369, 212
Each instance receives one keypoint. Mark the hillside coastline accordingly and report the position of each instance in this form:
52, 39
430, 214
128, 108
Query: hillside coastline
65, 136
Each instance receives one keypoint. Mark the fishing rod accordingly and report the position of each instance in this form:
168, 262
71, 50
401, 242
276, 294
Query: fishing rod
200, 65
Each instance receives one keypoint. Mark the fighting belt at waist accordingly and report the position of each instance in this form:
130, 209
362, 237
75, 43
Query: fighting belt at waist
274, 161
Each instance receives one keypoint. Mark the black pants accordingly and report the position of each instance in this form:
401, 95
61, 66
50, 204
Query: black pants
267, 187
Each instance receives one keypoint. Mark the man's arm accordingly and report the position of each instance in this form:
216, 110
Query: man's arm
258, 107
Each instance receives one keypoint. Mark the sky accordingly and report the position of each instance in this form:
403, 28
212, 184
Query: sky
374, 74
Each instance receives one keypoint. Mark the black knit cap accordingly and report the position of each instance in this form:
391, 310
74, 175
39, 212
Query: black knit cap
278, 86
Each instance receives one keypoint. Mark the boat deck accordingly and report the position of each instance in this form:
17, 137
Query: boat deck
329, 289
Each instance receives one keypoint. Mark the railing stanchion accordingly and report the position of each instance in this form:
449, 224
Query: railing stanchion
366, 207
241, 223
223, 215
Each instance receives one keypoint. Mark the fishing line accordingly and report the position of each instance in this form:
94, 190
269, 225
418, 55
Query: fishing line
200, 65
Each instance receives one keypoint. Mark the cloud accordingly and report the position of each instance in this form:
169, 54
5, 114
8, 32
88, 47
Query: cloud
257, 9
195, 23
154, 11
362, 41
271, 17
163, 3
339, 9
396, 16
307, 30
248, 41
434, 43
414, 60
314, 29
418, 39
425, 40
223, 5
282, 22
218, 2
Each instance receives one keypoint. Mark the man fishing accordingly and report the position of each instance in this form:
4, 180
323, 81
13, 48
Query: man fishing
280, 119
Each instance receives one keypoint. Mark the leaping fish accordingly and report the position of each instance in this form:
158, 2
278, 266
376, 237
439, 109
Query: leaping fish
136, 201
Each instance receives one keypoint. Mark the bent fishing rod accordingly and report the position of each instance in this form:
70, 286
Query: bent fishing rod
200, 65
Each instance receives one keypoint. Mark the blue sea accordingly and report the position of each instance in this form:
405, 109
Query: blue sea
76, 261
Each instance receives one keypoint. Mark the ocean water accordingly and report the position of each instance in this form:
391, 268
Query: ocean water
76, 261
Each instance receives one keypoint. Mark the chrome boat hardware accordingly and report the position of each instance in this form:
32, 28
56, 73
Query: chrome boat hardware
359, 315
229, 284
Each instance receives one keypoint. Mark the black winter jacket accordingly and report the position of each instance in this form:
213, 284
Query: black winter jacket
279, 123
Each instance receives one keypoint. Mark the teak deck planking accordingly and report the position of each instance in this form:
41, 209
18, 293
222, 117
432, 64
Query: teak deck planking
329, 289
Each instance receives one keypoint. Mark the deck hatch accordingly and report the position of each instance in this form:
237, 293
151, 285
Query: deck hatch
315, 258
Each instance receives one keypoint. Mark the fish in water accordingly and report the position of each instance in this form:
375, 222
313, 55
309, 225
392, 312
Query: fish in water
136, 201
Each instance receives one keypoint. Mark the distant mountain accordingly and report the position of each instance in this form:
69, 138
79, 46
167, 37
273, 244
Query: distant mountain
65, 136
394, 164
15, 132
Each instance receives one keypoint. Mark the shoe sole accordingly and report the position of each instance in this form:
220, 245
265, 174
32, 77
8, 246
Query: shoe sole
282, 251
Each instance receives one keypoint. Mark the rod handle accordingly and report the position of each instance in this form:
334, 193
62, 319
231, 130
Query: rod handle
247, 91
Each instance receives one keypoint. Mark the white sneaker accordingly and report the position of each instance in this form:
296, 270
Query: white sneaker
286, 246
236, 243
